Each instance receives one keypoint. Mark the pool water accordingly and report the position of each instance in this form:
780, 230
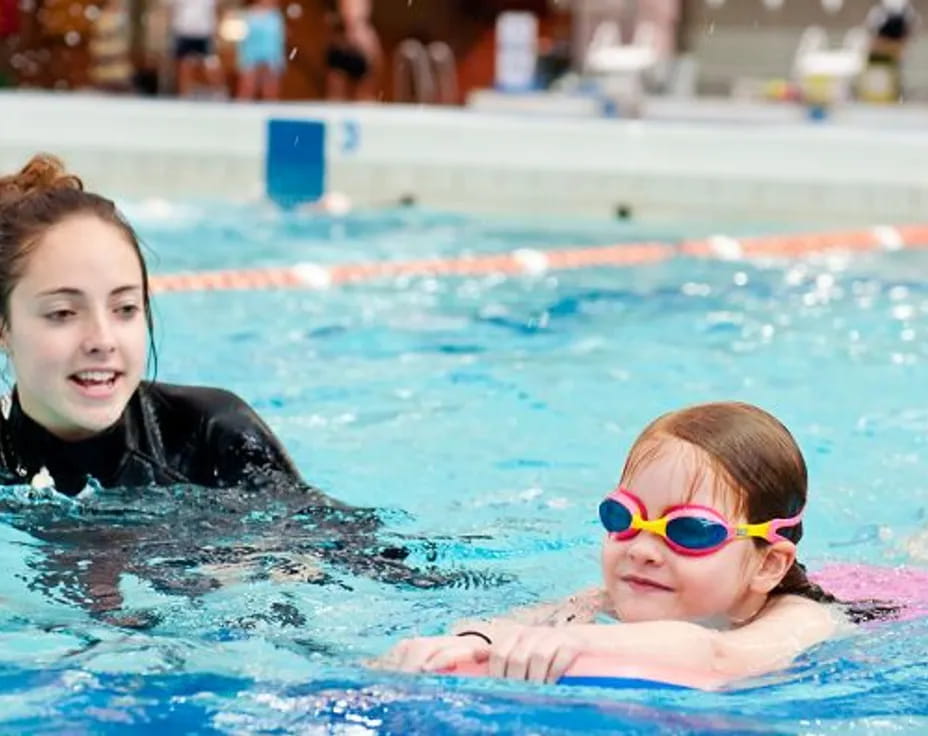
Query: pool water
484, 418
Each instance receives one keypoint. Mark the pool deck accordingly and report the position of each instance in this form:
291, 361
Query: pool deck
697, 159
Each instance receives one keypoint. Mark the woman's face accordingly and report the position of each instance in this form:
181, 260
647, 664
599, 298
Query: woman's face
76, 333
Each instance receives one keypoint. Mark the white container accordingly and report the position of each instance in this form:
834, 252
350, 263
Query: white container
516, 51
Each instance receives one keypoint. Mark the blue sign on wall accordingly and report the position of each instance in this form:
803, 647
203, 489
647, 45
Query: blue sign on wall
295, 163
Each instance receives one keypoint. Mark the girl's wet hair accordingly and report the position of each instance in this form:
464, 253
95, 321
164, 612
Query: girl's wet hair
39, 197
755, 456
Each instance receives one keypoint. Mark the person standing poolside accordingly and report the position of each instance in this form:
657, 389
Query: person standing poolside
261, 53
891, 24
353, 58
193, 24
76, 327
698, 564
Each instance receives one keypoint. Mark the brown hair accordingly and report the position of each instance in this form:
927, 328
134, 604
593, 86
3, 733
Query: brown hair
39, 197
755, 456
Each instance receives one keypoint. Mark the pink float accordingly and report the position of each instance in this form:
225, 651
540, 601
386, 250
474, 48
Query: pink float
905, 587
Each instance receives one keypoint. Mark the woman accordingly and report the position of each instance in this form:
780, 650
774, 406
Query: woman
76, 327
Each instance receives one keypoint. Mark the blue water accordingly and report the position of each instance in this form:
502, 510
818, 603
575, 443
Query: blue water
485, 418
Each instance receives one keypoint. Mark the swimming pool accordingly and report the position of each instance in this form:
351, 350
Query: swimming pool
486, 415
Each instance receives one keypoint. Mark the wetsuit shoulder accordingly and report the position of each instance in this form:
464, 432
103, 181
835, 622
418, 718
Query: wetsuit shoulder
216, 437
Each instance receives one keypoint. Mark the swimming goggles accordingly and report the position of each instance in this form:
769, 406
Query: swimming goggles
687, 529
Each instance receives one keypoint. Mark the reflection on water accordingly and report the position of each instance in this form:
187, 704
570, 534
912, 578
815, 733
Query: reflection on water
187, 541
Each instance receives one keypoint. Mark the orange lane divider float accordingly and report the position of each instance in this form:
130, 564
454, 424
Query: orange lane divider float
534, 262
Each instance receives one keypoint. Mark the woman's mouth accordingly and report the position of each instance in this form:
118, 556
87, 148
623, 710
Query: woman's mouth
95, 384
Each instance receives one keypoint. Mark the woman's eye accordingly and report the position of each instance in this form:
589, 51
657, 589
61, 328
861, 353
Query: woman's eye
127, 310
59, 315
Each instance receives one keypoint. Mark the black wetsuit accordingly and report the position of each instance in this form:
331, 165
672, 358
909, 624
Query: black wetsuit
167, 435
184, 435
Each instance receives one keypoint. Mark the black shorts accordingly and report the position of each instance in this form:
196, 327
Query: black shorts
348, 60
192, 46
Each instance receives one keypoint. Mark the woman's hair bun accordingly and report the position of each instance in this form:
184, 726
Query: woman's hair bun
43, 173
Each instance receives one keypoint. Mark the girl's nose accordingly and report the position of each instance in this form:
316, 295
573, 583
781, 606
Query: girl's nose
646, 548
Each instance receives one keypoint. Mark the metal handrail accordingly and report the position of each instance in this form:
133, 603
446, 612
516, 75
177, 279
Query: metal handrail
445, 72
425, 74
412, 73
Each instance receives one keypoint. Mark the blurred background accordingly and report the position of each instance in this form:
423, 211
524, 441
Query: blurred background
478, 52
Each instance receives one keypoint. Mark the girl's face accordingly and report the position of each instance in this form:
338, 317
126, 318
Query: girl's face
647, 581
77, 336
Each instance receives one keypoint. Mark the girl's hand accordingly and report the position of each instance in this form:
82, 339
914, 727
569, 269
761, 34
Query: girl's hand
535, 653
434, 653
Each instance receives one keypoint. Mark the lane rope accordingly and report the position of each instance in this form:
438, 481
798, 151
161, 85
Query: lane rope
527, 261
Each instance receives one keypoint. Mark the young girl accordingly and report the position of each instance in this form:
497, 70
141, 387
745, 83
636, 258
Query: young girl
261, 52
698, 564
75, 325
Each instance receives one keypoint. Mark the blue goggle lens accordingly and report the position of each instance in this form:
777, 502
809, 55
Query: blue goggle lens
695, 533
614, 516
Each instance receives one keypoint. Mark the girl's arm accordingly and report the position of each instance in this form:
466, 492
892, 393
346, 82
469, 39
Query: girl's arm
787, 626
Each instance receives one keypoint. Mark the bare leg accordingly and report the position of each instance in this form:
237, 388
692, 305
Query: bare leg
367, 89
336, 85
186, 75
247, 84
214, 75
269, 84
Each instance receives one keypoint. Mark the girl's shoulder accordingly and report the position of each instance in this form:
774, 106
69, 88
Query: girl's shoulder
805, 613
788, 603
583, 607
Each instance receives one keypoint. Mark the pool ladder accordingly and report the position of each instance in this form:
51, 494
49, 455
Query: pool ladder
425, 74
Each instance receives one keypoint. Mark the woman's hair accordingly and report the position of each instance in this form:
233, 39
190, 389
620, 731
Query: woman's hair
755, 456
42, 195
